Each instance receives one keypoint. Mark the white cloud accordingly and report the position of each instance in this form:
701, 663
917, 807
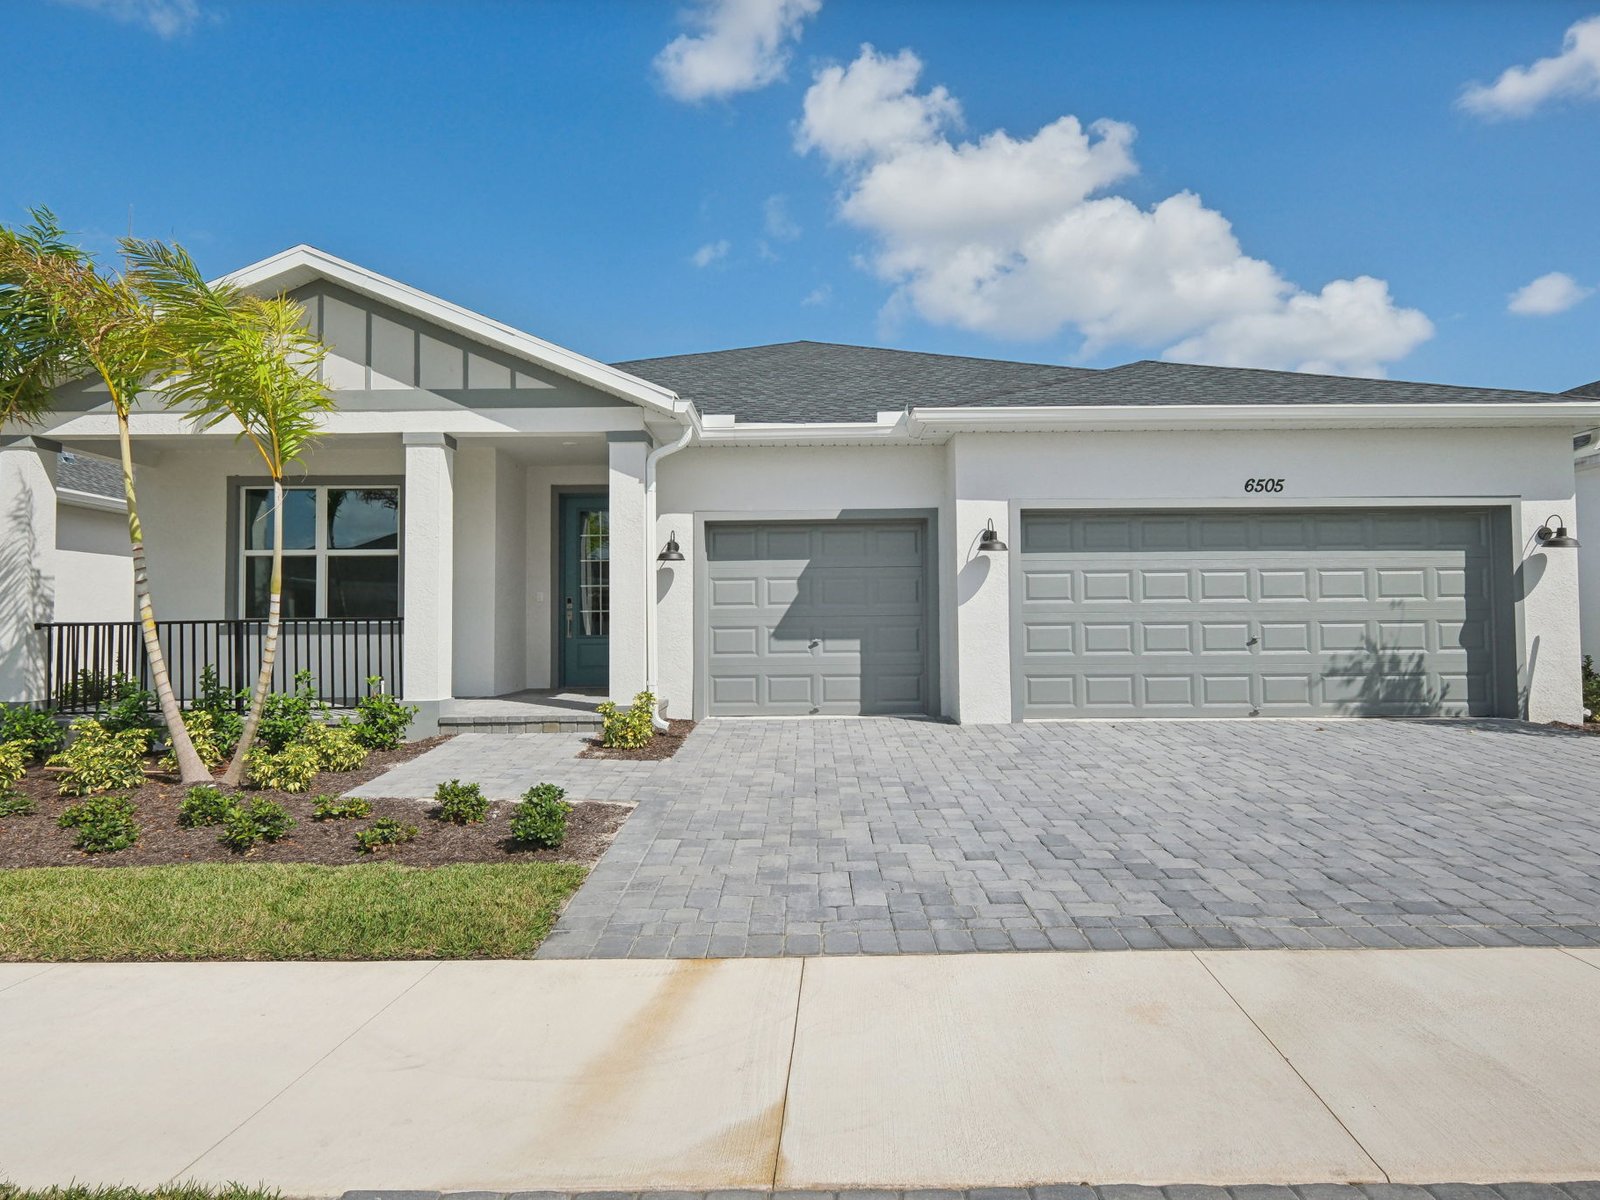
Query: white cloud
775, 219
165, 18
818, 296
742, 45
1015, 237
1574, 74
711, 252
1547, 295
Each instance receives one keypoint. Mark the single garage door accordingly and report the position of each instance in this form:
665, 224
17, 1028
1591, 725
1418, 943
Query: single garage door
1336, 612
821, 617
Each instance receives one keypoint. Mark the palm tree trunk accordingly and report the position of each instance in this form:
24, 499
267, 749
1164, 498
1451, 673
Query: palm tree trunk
234, 775
190, 768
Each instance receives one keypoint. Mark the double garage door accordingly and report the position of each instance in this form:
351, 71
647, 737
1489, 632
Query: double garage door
1382, 613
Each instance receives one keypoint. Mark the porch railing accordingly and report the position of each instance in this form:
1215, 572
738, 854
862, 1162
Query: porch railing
82, 657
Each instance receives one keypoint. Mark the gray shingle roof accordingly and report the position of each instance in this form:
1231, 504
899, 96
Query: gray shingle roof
1587, 389
822, 381
97, 476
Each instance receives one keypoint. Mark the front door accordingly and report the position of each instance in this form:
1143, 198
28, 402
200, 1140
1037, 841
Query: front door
585, 592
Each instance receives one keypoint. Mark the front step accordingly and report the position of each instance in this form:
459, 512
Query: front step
576, 723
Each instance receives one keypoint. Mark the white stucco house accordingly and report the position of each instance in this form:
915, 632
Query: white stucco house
820, 529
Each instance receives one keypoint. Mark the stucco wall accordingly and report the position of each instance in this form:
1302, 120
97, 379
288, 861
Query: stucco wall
1588, 487
93, 565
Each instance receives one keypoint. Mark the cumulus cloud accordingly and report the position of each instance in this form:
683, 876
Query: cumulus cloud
740, 46
1572, 74
1547, 295
1016, 237
165, 18
711, 252
818, 296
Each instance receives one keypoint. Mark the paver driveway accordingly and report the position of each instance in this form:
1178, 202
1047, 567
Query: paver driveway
877, 836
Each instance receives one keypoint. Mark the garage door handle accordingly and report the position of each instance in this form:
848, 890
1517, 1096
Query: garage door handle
1252, 641
815, 642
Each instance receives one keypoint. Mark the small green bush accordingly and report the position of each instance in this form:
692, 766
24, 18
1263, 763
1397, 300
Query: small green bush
212, 738
260, 820
383, 720
127, 708
1591, 687
104, 823
628, 728
13, 764
332, 808
385, 831
461, 803
16, 805
100, 759
336, 746
540, 817
284, 717
290, 770
204, 804
35, 729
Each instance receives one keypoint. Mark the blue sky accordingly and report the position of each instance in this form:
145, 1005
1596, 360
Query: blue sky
1298, 185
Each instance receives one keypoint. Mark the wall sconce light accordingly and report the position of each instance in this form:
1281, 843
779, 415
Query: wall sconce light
1556, 538
989, 539
670, 552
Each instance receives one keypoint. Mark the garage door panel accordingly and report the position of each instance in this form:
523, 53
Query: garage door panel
1299, 613
734, 593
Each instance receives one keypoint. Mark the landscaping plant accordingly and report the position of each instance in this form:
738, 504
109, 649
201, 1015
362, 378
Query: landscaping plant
127, 706
13, 764
631, 727
383, 720
1591, 687
540, 817
104, 824
211, 738
285, 716
385, 831
336, 746
35, 729
63, 319
461, 803
15, 805
99, 760
258, 821
204, 804
332, 808
290, 770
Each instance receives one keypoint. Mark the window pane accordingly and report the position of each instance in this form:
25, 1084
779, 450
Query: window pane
299, 518
299, 585
364, 586
594, 572
363, 518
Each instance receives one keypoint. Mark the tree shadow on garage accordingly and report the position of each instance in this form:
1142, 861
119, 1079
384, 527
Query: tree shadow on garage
1389, 683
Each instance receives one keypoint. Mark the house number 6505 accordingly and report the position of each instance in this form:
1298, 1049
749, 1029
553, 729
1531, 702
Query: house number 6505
1263, 485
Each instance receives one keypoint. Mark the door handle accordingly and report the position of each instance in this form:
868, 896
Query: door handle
569, 616
815, 642
1252, 641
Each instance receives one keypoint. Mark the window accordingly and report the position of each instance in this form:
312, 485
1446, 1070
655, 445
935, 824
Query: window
341, 551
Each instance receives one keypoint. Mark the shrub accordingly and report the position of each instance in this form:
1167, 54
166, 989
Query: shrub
1591, 686
100, 759
284, 717
104, 824
335, 746
540, 818
383, 719
332, 808
212, 738
461, 803
13, 764
290, 770
385, 831
127, 707
260, 820
204, 805
16, 805
35, 729
628, 728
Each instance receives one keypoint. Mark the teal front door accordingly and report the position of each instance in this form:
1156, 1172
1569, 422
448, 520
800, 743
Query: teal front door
585, 591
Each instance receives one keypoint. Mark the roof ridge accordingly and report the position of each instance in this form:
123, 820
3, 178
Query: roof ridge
1009, 362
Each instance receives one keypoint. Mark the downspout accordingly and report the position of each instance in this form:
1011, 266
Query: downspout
651, 657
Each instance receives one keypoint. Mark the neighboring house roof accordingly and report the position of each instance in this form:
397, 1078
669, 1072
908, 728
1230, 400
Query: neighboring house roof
822, 381
92, 476
1587, 389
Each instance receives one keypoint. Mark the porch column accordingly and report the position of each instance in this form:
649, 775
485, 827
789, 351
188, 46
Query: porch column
428, 567
629, 581
27, 569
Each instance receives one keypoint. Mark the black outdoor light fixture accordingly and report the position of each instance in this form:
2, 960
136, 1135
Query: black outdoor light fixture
671, 553
989, 539
1557, 539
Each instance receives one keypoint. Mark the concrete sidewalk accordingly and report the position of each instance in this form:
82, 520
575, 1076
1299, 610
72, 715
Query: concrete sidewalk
1474, 1065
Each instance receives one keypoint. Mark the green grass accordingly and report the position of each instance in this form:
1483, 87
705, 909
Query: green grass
265, 911
171, 1191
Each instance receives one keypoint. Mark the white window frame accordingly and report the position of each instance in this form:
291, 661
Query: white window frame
320, 549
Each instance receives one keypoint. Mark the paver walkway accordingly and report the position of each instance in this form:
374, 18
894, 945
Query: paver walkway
881, 836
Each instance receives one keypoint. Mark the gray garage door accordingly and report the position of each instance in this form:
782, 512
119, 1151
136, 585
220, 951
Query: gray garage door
1388, 613
825, 617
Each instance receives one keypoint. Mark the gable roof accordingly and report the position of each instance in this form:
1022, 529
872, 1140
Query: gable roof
824, 381
90, 475
1586, 389
301, 265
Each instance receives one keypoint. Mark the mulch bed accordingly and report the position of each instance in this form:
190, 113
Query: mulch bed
37, 841
663, 745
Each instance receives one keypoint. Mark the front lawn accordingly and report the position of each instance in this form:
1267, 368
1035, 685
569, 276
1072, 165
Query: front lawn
269, 911
170, 1191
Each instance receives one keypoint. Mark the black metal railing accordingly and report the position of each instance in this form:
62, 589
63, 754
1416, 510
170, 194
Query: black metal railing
83, 657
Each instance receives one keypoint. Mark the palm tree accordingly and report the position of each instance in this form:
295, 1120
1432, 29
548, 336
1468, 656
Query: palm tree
251, 360
62, 319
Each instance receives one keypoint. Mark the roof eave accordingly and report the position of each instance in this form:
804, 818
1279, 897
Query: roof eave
1576, 416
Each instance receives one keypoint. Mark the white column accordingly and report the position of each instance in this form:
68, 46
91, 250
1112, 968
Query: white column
1552, 653
428, 564
630, 581
27, 568
983, 613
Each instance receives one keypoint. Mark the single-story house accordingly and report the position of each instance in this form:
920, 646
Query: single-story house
813, 529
